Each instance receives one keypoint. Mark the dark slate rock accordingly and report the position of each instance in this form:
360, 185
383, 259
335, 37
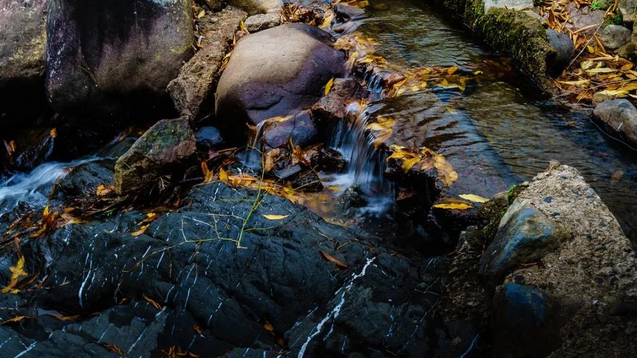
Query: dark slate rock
84, 179
299, 129
208, 137
620, 117
188, 262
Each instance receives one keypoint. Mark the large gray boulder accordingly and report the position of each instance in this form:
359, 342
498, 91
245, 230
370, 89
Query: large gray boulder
620, 117
22, 43
276, 72
111, 61
589, 275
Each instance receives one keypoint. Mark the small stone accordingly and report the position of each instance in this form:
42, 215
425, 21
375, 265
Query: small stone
208, 138
299, 129
262, 21
614, 36
564, 51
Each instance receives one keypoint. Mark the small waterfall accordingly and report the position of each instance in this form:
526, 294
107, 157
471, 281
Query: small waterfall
33, 187
365, 164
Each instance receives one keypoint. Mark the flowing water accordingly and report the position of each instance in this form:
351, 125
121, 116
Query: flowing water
498, 131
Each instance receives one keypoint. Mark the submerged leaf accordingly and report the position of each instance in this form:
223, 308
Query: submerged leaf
474, 198
453, 206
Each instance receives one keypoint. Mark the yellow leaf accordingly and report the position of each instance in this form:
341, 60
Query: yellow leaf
208, 175
451, 70
17, 271
409, 163
327, 21
54, 133
223, 176
243, 27
268, 326
328, 86
601, 70
474, 198
201, 14
140, 231
275, 217
453, 206
103, 190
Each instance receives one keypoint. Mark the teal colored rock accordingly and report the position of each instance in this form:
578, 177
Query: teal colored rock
525, 235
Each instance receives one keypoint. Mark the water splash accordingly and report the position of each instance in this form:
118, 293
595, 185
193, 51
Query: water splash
365, 164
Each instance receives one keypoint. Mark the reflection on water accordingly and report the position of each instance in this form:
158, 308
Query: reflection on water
493, 133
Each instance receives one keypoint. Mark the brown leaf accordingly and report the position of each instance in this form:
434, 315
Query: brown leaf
14, 320
334, 260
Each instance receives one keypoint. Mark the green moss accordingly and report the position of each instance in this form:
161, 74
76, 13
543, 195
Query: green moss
522, 37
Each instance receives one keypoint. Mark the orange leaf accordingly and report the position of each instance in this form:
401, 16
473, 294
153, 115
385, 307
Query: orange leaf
334, 260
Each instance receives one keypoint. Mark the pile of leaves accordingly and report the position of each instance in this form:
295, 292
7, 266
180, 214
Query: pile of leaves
593, 71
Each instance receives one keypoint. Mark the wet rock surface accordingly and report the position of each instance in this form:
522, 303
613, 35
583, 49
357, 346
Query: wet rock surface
22, 45
111, 72
525, 235
185, 279
299, 130
167, 145
620, 117
275, 72
193, 90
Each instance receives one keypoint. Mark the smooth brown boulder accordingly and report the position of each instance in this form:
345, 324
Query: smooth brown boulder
272, 73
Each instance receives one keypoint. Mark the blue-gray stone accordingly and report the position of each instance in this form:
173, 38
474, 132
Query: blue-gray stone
525, 235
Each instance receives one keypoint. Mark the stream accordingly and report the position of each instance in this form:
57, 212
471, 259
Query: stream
499, 131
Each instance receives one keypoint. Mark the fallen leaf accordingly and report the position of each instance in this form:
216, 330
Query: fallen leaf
103, 190
140, 231
334, 260
223, 176
328, 86
61, 317
152, 302
13, 320
17, 271
268, 326
474, 198
453, 206
275, 217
